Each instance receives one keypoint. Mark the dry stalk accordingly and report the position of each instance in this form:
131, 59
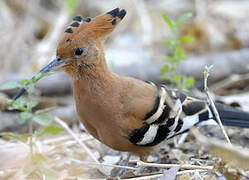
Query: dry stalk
88, 151
182, 166
65, 138
160, 175
103, 164
216, 114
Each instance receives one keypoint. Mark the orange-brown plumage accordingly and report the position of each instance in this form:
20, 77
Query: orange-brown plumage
124, 113
110, 106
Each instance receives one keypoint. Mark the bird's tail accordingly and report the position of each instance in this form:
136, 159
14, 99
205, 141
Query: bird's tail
232, 116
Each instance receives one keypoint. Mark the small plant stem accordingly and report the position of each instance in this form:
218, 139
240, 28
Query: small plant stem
216, 114
30, 124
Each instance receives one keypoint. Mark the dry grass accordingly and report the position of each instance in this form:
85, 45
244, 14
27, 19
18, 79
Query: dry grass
29, 33
66, 159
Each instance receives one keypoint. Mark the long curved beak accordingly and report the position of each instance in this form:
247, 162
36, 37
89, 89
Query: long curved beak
53, 65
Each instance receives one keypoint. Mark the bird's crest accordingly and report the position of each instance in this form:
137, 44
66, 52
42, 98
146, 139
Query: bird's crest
82, 29
96, 27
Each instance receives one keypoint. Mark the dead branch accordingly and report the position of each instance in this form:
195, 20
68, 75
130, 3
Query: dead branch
236, 62
182, 166
225, 64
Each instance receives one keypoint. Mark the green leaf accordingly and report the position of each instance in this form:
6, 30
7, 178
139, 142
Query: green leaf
24, 116
183, 18
45, 110
16, 105
10, 135
179, 52
10, 85
189, 82
24, 137
170, 23
171, 59
207, 70
164, 69
42, 119
169, 42
167, 20
172, 43
70, 6
31, 104
38, 158
25, 81
177, 78
167, 78
185, 39
38, 76
53, 130
29, 87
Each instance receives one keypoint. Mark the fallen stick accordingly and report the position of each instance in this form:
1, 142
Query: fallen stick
236, 62
103, 164
160, 175
182, 166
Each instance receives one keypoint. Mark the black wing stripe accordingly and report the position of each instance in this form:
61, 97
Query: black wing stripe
138, 134
204, 116
161, 135
179, 125
164, 115
191, 107
154, 110
167, 119
170, 122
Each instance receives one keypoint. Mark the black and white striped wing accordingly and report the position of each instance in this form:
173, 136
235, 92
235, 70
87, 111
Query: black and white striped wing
173, 113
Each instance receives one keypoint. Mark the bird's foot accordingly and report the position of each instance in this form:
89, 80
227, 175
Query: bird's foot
123, 172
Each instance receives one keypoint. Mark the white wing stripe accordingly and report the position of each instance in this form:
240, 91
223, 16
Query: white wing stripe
149, 136
159, 111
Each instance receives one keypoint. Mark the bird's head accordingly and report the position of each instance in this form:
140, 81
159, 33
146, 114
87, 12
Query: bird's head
80, 47
81, 44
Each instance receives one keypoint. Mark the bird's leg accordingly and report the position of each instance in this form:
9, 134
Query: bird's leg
117, 172
178, 142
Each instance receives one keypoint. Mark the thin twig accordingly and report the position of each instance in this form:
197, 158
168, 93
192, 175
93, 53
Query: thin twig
182, 166
65, 126
160, 175
103, 164
65, 138
88, 151
216, 114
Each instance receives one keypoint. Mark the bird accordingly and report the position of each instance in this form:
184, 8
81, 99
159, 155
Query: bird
125, 113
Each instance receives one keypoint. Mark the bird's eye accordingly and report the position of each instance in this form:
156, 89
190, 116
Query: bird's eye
78, 52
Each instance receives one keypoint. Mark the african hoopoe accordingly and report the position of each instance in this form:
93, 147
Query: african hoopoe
124, 113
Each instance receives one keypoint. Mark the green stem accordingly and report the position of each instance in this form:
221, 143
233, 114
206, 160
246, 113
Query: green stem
30, 124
